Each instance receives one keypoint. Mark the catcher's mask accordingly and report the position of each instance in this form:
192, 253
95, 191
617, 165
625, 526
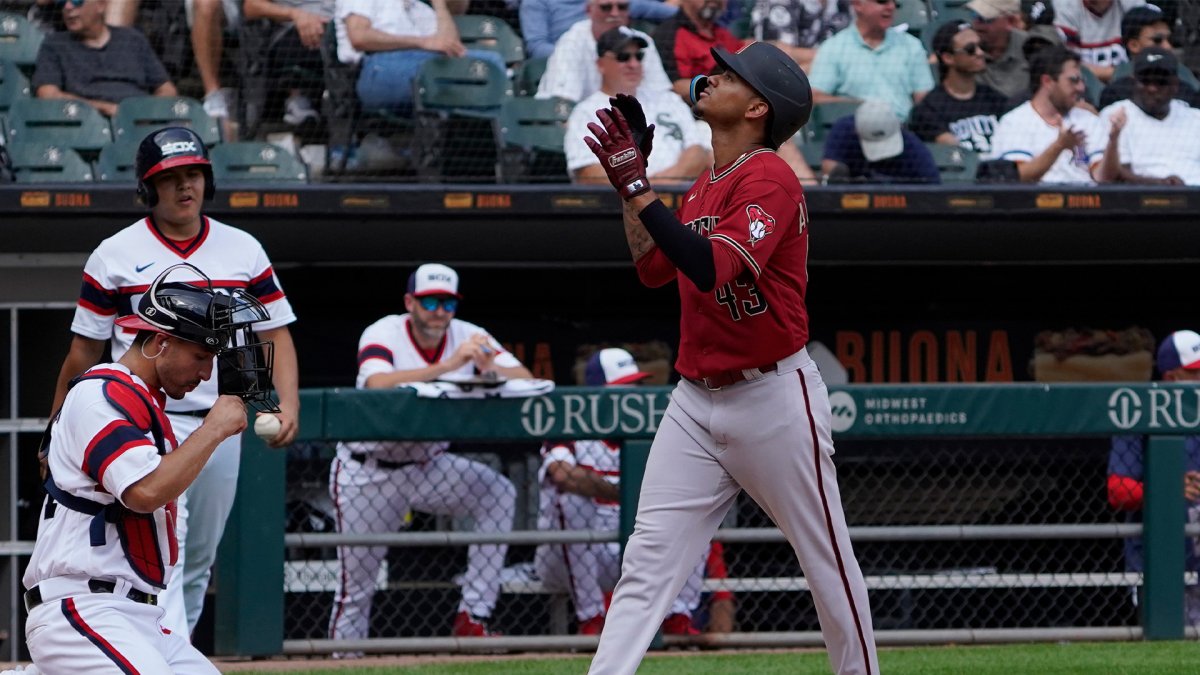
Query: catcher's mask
222, 322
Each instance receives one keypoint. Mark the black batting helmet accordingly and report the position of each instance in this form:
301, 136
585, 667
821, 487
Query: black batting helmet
777, 78
166, 148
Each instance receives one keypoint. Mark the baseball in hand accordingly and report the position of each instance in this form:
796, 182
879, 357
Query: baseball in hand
267, 427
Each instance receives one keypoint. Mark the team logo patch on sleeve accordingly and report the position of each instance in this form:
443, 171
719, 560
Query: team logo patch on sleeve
761, 223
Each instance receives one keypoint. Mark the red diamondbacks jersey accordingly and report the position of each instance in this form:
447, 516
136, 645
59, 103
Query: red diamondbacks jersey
756, 207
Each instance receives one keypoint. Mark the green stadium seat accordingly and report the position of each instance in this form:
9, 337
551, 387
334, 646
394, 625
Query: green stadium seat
528, 75
955, 163
1092, 87
253, 161
825, 114
139, 115
490, 32
65, 123
915, 13
531, 139
116, 163
38, 162
19, 41
813, 153
456, 108
13, 85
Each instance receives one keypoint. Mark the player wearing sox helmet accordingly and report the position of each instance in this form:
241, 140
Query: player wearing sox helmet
174, 180
751, 411
106, 541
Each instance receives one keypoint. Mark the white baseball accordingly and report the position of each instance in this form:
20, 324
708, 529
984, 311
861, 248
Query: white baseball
267, 427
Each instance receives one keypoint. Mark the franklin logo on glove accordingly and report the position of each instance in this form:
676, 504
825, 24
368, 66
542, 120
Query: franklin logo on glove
617, 160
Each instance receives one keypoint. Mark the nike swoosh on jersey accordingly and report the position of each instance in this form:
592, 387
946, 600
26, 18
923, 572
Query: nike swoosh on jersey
142, 268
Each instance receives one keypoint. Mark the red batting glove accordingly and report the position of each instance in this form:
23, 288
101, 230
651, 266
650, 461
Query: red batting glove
618, 153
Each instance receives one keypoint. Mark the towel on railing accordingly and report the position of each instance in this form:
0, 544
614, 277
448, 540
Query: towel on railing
515, 388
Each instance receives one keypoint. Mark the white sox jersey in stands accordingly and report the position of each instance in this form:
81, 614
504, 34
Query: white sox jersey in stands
1097, 39
387, 346
122, 267
100, 446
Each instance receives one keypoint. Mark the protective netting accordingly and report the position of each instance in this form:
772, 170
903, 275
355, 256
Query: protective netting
1040, 578
500, 91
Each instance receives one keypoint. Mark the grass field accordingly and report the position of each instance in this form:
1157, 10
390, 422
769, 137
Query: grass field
1108, 658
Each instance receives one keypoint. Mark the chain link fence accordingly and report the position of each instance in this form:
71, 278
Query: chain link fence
1038, 568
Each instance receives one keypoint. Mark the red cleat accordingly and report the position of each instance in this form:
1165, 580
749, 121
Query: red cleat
592, 626
466, 625
678, 624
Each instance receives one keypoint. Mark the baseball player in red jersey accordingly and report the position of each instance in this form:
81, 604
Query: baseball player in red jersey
106, 541
751, 411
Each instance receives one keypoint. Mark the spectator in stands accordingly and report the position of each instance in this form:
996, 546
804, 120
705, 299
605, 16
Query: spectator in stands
578, 490
97, 63
543, 22
685, 42
682, 146
1050, 138
398, 37
209, 19
1159, 136
295, 42
1178, 361
571, 70
998, 24
870, 60
1093, 29
959, 111
796, 26
1142, 28
871, 147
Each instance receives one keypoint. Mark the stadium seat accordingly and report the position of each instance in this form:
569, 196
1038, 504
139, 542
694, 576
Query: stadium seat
956, 164
913, 13
139, 115
531, 139
528, 75
65, 123
13, 85
813, 153
38, 162
1092, 86
456, 107
825, 114
19, 41
253, 161
490, 32
116, 162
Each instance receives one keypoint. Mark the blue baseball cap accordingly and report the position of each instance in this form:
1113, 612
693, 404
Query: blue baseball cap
1181, 349
612, 366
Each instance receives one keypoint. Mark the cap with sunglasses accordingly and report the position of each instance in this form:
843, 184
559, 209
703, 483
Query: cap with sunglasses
994, 9
1155, 60
433, 279
616, 39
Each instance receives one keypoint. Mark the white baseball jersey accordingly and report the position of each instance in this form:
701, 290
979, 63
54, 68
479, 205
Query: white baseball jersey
387, 346
1097, 39
1022, 135
566, 511
571, 71
123, 266
675, 129
96, 453
1160, 148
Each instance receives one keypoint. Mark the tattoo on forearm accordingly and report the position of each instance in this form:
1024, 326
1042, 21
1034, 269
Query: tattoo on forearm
639, 239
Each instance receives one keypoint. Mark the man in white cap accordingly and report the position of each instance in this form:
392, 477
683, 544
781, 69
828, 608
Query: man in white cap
870, 146
998, 23
1178, 361
375, 484
578, 491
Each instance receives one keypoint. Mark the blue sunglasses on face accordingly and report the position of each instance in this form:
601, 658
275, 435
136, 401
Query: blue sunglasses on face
430, 303
74, 3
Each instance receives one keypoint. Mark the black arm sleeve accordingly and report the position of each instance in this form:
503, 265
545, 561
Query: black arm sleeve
691, 253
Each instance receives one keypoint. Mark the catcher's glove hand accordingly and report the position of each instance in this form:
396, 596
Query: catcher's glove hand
632, 110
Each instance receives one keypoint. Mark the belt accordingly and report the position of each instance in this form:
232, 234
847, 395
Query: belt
362, 458
191, 413
714, 382
33, 597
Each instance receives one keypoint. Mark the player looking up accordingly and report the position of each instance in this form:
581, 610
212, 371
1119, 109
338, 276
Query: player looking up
751, 412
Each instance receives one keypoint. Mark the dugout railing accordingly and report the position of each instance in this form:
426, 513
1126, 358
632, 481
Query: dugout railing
1071, 593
